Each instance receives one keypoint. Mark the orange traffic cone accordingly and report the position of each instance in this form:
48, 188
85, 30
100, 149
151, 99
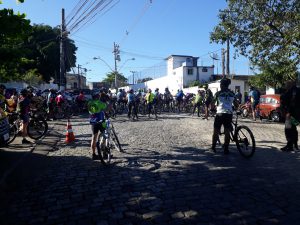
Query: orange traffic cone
69, 135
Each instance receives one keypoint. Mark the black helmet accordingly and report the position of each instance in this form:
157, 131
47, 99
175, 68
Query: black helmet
24, 92
225, 82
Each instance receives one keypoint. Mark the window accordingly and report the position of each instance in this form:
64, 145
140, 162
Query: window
190, 71
75, 85
204, 69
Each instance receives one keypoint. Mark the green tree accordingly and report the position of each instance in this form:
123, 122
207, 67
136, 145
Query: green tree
110, 79
14, 30
266, 31
32, 77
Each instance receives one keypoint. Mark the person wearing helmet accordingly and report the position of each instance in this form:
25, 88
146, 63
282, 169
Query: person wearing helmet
131, 104
254, 96
197, 103
208, 97
24, 108
167, 97
179, 99
149, 99
224, 100
51, 104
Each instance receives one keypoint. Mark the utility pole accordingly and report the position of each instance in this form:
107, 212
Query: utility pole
223, 62
78, 76
228, 58
63, 35
116, 57
133, 72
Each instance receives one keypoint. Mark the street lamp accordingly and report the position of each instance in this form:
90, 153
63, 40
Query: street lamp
125, 63
104, 62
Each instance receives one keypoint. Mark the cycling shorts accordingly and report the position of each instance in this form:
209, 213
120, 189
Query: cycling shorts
223, 119
97, 127
24, 118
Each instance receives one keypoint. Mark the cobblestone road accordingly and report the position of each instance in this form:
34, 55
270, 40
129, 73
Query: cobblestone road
165, 176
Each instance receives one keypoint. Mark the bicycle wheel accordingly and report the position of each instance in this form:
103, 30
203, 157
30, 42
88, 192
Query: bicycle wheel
245, 141
115, 140
13, 132
103, 150
37, 128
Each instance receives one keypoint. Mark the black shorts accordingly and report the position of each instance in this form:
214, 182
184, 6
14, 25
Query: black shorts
97, 127
24, 118
223, 119
207, 103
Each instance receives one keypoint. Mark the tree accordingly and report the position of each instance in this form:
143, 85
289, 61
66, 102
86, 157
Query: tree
43, 45
32, 78
266, 31
14, 30
110, 78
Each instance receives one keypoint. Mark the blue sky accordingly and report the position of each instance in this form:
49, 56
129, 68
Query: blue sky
148, 32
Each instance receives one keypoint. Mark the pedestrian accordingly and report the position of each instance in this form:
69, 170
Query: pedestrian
238, 96
24, 108
224, 100
290, 101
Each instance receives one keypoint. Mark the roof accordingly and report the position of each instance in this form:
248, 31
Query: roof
183, 56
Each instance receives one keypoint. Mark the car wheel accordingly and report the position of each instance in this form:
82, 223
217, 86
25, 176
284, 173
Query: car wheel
275, 116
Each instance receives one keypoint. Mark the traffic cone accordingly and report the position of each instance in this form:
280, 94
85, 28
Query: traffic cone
69, 135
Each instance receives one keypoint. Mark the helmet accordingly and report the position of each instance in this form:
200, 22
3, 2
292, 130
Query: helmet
131, 90
225, 82
156, 89
24, 92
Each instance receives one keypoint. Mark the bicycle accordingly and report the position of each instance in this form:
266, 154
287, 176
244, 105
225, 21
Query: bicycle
37, 126
106, 140
242, 136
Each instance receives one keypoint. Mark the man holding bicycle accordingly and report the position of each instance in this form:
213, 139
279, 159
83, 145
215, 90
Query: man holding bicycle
224, 100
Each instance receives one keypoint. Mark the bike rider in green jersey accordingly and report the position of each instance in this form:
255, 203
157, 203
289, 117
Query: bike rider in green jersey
224, 100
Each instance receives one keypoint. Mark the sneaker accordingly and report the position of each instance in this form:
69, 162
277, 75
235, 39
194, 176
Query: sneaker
95, 157
25, 141
286, 149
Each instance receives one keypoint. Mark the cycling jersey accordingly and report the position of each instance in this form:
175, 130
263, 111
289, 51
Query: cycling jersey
149, 97
130, 97
224, 101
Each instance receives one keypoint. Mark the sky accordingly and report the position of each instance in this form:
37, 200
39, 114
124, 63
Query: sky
147, 31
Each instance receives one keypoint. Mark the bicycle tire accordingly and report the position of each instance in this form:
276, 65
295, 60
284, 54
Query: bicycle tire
243, 143
103, 149
37, 128
13, 132
115, 140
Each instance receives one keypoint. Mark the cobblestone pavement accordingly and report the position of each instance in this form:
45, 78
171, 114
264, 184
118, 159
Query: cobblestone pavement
165, 176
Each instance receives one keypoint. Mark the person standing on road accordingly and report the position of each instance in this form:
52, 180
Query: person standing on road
197, 103
238, 96
149, 99
224, 99
24, 108
97, 110
254, 99
290, 101
208, 97
131, 104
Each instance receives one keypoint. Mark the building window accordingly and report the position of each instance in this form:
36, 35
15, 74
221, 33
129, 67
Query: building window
75, 85
190, 71
204, 69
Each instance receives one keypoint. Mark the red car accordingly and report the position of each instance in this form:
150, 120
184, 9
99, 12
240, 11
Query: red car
269, 107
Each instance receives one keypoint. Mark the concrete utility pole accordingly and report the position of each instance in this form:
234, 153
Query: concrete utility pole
78, 76
63, 35
228, 59
223, 62
133, 72
116, 57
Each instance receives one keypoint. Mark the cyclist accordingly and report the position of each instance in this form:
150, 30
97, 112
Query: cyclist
149, 99
224, 99
167, 98
179, 98
95, 118
131, 104
197, 103
80, 100
208, 98
24, 108
254, 99
51, 103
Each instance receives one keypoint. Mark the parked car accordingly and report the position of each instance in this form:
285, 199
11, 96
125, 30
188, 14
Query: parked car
270, 108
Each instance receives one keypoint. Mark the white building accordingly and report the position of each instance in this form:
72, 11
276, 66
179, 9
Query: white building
181, 72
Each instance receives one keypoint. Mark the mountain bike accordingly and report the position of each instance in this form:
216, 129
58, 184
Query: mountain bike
242, 136
37, 126
106, 140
